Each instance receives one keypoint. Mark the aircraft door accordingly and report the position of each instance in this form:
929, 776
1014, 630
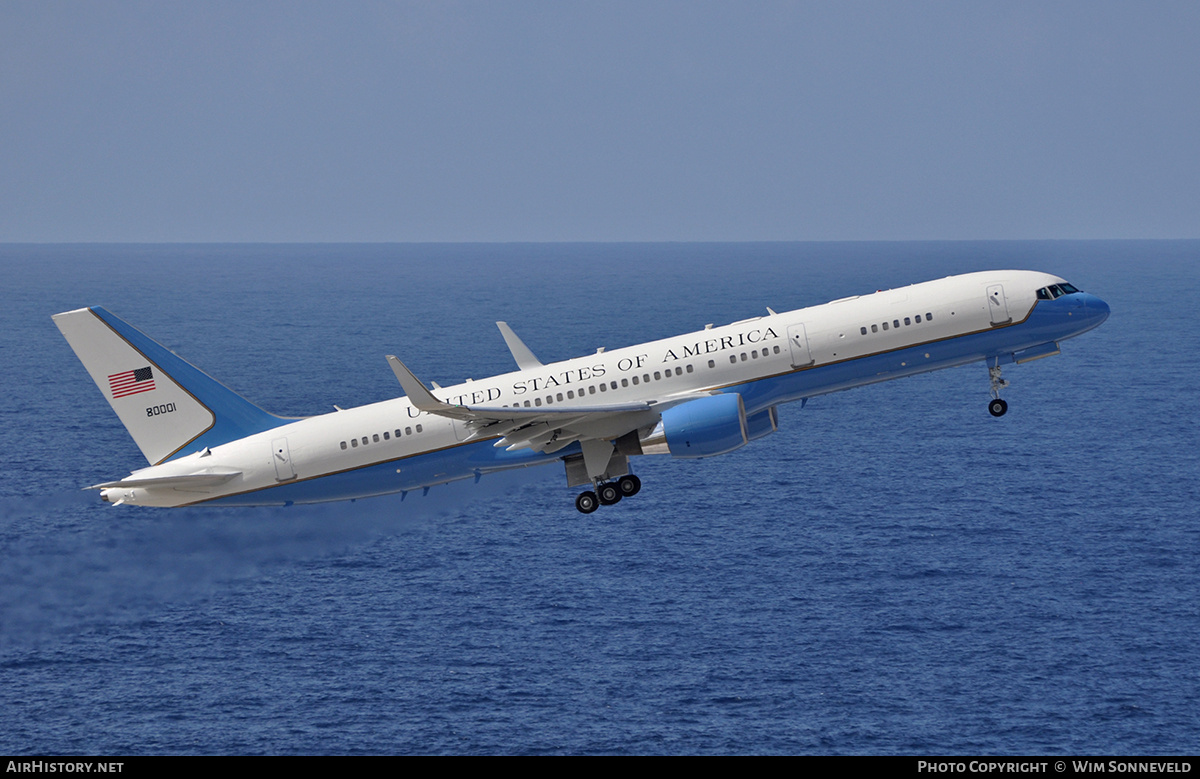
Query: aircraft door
282, 458
998, 305
801, 354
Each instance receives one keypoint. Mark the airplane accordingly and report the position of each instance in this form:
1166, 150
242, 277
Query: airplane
697, 395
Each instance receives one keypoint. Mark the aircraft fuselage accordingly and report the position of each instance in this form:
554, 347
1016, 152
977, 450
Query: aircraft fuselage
622, 396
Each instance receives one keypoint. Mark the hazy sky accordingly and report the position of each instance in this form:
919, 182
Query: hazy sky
609, 121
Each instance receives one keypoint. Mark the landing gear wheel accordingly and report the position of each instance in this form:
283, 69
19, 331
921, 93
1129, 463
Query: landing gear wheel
629, 485
996, 406
609, 493
587, 502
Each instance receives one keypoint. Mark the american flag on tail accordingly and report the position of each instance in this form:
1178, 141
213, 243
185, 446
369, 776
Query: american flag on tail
131, 382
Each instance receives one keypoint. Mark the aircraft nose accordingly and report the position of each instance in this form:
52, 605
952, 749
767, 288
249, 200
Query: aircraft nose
1098, 308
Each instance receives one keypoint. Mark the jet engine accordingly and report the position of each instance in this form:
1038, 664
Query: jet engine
707, 427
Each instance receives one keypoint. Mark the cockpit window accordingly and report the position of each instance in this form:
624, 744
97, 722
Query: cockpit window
1056, 291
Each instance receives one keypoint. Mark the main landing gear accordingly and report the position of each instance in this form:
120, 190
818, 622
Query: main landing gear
607, 493
996, 406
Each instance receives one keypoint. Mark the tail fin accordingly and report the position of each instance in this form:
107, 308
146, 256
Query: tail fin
170, 407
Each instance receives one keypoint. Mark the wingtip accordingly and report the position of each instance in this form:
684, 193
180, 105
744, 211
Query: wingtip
525, 358
417, 393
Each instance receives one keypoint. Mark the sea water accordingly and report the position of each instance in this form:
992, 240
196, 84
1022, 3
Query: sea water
894, 571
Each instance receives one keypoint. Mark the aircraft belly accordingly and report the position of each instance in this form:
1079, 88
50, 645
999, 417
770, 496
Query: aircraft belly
386, 478
846, 374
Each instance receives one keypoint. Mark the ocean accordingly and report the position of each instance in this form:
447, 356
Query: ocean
892, 572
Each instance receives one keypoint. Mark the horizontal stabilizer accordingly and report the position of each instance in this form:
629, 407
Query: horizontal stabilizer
187, 480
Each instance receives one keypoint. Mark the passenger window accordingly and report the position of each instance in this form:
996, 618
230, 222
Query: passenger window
592, 390
604, 388
343, 444
874, 328
354, 442
896, 323
657, 375
387, 436
625, 382
862, 330
375, 437
614, 384
733, 359
754, 355
689, 368
776, 350
549, 399
928, 317
907, 321
537, 401
645, 378
917, 318
635, 380
365, 441
558, 397
408, 431
743, 357
397, 432
419, 428
712, 364
885, 325
679, 371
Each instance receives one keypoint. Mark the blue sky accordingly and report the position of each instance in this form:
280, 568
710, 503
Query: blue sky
598, 121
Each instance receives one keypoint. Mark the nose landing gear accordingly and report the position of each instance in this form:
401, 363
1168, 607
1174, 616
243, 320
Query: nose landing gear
996, 406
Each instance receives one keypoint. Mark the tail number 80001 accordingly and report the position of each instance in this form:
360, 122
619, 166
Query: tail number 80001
165, 408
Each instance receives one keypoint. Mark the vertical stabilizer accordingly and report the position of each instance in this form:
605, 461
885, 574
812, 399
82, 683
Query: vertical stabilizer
169, 406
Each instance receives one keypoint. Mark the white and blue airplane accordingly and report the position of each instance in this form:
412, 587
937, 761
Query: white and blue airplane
696, 395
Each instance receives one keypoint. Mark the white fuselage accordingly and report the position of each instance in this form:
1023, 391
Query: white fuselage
776, 358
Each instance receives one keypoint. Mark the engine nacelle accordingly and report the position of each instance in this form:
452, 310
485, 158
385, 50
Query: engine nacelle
700, 428
763, 423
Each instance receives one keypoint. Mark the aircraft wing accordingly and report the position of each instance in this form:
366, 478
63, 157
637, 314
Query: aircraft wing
520, 351
545, 429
